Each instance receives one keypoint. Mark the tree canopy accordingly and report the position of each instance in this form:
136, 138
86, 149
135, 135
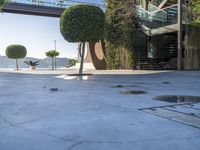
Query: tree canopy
82, 23
16, 51
52, 53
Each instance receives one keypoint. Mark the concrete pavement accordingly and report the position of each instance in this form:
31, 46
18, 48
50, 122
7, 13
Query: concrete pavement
90, 114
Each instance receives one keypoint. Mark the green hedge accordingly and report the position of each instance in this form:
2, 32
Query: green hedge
119, 34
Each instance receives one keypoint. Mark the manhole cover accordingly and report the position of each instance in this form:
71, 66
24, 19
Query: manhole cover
178, 99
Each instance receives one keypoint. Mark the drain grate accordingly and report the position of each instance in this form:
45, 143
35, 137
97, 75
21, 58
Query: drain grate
183, 113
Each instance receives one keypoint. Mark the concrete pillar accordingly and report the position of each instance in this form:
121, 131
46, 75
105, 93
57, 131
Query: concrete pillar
180, 55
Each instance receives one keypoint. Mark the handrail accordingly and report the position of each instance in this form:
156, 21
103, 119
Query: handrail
158, 18
152, 12
150, 4
155, 2
165, 8
170, 6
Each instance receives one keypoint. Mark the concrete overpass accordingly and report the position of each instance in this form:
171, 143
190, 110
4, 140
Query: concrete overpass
49, 8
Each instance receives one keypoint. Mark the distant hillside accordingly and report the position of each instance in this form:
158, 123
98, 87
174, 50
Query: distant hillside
45, 63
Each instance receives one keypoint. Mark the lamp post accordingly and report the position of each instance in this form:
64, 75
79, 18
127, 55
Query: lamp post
55, 50
180, 55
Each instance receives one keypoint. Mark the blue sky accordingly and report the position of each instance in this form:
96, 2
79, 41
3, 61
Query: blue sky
35, 33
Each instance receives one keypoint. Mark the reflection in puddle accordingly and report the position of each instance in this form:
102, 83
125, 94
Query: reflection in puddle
66, 77
178, 99
133, 92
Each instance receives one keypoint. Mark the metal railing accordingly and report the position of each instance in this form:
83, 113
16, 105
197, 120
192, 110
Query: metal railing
159, 17
156, 2
152, 7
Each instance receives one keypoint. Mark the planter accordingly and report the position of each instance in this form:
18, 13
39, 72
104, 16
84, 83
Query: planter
33, 67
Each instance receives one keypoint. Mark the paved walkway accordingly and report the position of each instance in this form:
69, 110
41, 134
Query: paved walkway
75, 71
89, 114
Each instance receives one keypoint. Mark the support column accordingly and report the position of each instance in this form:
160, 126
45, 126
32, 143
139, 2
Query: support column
180, 55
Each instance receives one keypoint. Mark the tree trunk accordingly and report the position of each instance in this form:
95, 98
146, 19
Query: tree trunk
82, 58
52, 64
55, 62
17, 65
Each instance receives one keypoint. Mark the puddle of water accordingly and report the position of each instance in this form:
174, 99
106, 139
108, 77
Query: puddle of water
122, 86
132, 92
67, 77
178, 98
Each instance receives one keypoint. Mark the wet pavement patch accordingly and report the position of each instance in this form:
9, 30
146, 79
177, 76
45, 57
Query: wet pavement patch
178, 98
123, 86
165, 82
85, 74
54, 89
132, 92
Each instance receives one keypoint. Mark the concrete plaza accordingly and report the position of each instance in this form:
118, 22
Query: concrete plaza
90, 113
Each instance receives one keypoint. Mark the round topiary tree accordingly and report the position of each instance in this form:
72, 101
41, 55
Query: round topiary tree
82, 23
53, 55
16, 52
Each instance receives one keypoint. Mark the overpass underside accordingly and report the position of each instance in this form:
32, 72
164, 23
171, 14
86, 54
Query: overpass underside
27, 9
48, 8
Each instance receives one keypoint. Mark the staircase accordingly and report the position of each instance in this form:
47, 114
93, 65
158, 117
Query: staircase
148, 64
159, 19
168, 51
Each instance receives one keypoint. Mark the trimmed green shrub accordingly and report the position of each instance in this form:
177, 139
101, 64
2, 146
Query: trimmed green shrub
16, 52
53, 54
82, 23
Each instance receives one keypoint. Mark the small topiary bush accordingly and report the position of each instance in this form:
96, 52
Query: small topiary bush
16, 52
53, 54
